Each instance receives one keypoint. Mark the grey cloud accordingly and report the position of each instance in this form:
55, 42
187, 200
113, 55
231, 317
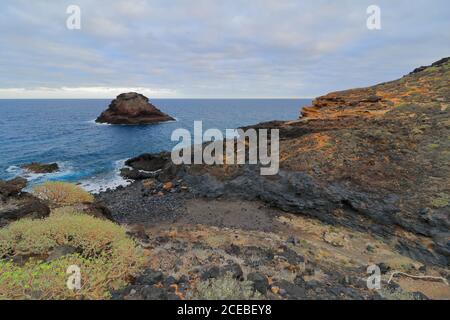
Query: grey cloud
211, 48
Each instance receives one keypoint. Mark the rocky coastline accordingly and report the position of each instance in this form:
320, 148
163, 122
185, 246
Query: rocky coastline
371, 161
364, 180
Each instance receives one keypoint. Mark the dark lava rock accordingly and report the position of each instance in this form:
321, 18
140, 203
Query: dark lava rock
150, 277
215, 272
146, 292
133, 174
183, 279
293, 291
300, 281
149, 285
15, 204
210, 273
292, 257
384, 268
393, 287
138, 233
313, 284
154, 293
62, 251
419, 296
435, 64
152, 166
170, 281
371, 99
12, 187
149, 162
292, 240
233, 250
342, 292
260, 282
132, 108
41, 167
96, 209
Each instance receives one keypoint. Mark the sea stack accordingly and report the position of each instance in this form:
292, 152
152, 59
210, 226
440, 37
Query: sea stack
132, 108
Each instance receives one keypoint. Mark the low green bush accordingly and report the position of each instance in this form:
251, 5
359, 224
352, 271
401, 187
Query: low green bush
441, 201
225, 288
106, 257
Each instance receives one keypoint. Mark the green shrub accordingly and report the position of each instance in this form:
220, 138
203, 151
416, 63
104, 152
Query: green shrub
433, 146
60, 194
107, 258
441, 201
225, 288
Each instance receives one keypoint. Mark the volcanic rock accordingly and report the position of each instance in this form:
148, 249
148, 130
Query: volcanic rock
260, 282
41, 167
96, 209
15, 204
134, 109
12, 187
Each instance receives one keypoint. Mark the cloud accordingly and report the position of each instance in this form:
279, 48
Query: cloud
76, 92
212, 48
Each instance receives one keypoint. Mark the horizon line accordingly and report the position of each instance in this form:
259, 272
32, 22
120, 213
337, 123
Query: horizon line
254, 98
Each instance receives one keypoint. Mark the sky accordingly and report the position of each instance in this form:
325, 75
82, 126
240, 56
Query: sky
213, 48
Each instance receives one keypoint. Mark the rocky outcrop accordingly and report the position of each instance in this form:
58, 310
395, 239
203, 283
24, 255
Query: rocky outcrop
12, 187
15, 204
41, 167
147, 166
133, 109
95, 209
422, 86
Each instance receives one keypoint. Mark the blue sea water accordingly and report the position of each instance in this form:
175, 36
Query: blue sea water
91, 154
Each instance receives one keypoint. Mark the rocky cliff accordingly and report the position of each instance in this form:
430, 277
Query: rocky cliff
134, 109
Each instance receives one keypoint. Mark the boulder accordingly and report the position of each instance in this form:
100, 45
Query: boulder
15, 204
260, 282
149, 166
133, 109
95, 209
150, 162
12, 187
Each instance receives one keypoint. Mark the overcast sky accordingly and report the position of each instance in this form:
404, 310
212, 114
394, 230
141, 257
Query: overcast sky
213, 49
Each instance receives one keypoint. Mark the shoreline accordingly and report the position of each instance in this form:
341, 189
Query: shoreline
349, 197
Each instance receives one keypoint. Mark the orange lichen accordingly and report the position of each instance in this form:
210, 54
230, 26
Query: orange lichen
177, 291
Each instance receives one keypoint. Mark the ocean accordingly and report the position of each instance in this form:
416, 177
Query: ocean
91, 154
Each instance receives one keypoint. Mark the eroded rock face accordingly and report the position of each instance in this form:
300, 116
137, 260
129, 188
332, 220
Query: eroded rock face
134, 109
15, 204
